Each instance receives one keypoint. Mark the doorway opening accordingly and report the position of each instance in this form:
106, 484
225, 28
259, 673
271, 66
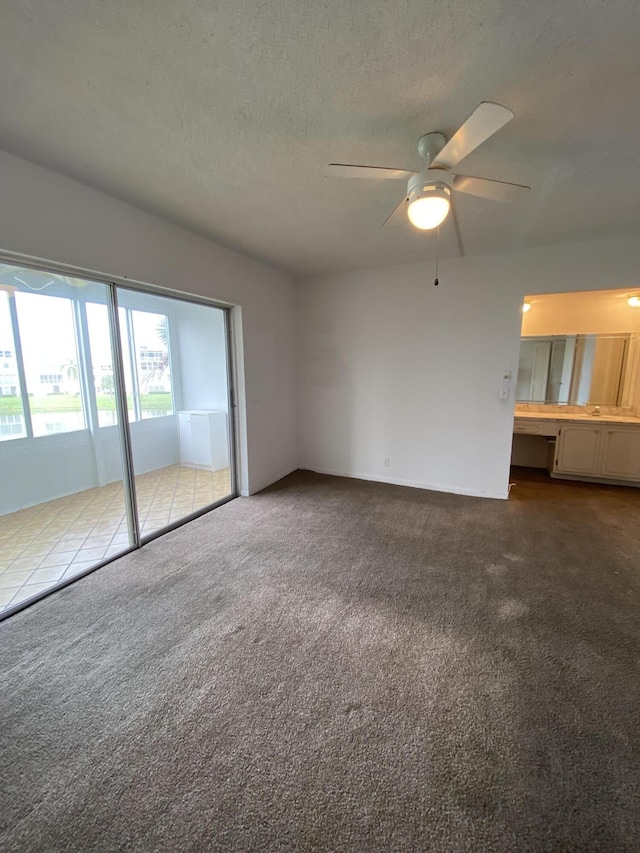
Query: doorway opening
577, 412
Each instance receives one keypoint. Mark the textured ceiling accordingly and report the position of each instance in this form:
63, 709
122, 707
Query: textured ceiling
221, 116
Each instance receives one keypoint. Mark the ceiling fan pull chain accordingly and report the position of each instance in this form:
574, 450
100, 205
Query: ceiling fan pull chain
436, 282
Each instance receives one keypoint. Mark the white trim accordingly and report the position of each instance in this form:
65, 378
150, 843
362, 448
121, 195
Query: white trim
237, 394
414, 484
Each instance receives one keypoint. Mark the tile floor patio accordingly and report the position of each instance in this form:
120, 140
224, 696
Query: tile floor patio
52, 541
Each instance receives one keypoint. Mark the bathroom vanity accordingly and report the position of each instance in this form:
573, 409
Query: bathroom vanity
599, 448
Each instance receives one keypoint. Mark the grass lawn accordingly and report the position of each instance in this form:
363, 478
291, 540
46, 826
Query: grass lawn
72, 403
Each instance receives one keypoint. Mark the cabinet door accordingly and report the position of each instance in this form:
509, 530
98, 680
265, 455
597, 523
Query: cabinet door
577, 450
200, 440
621, 453
185, 438
195, 439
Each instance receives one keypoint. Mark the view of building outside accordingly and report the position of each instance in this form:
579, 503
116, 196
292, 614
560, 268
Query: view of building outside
52, 363
11, 417
8, 374
152, 367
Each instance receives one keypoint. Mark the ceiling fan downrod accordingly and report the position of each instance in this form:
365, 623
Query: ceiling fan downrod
430, 145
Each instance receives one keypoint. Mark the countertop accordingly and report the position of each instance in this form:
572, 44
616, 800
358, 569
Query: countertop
573, 417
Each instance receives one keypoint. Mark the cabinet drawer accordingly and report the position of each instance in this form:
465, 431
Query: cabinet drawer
528, 429
525, 427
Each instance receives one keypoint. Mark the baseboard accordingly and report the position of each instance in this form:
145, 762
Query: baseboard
414, 484
54, 496
599, 481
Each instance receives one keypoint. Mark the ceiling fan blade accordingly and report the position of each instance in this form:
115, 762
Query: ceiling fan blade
398, 215
485, 188
456, 225
378, 173
483, 122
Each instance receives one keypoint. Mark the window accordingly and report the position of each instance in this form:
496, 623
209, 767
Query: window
151, 336
40, 368
11, 426
104, 386
45, 374
47, 330
12, 421
147, 363
145, 349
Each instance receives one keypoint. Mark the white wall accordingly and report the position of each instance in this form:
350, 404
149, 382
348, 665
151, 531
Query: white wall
391, 366
199, 347
64, 463
45, 215
34, 470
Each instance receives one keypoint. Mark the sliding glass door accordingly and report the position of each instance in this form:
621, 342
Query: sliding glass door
177, 385
114, 423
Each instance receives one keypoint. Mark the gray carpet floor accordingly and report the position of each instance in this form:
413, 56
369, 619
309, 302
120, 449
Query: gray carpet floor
339, 665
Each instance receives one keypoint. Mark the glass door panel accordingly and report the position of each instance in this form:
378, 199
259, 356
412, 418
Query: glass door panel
62, 501
12, 420
104, 383
177, 377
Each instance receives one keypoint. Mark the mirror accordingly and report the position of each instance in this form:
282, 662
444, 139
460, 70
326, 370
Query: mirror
577, 370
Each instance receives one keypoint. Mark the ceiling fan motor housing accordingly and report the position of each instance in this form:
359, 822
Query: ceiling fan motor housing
434, 183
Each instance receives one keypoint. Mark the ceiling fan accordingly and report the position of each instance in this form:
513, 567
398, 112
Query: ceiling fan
428, 196
32, 279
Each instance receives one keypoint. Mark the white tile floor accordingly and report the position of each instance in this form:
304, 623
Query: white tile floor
52, 541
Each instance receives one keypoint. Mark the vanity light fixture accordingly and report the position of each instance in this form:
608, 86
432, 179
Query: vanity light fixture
526, 306
634, 301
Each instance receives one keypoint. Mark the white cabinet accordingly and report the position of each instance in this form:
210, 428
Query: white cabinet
621, 453
598, 452
526, 426
577, 450
204, 441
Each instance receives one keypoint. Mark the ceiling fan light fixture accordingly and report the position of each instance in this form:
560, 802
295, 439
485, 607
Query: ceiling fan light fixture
428, 200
